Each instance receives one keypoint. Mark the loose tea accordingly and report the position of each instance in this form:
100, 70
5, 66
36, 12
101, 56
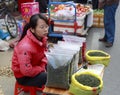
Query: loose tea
59, 70
97, 54
88, 80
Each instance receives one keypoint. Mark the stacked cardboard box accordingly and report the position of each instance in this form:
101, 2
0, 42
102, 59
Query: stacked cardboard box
29, 9
98, 20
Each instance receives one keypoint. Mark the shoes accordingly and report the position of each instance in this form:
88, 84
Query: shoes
102, 40
108, 44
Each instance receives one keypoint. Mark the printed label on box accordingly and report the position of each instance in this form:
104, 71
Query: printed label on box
29, 9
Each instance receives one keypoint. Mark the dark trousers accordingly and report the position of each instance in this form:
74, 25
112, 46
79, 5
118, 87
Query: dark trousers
42, 5
95, 4
80, 1
109, 22
37, 81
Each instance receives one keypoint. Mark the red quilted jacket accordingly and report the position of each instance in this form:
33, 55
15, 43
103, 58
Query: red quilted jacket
28, 57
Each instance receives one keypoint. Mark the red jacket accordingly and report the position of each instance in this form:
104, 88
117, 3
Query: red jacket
28, 57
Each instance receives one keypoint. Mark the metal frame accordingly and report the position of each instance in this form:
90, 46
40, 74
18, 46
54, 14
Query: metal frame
51, 33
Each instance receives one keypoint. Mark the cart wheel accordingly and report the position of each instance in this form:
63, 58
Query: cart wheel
11, 25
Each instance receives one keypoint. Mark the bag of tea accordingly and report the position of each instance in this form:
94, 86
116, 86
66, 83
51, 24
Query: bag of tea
58, 69
68, 52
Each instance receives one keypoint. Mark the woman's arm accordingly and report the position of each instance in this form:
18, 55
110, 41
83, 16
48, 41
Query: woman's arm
26, 68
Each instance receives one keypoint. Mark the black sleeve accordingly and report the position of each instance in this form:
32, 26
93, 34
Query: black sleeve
42, 5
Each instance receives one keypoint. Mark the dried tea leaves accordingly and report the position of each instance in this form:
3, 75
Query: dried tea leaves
88, 80
97, 54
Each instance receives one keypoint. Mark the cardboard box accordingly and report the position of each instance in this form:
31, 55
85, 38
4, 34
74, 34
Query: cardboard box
98, 20
29, 9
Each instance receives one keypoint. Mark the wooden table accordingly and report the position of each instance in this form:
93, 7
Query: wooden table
64, 92
56, 91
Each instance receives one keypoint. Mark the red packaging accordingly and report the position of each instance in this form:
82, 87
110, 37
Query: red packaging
29, 9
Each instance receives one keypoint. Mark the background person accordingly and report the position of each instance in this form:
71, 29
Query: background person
43, 4
95, 4
109, 7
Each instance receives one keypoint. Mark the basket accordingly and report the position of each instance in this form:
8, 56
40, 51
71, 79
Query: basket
98, 59
78, 89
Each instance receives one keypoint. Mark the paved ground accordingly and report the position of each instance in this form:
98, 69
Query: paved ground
111, 76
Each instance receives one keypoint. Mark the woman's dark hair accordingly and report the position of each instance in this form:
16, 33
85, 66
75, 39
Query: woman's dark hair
33, 23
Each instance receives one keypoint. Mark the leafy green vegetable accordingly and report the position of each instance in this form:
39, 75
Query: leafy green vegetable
98, 11
52, 7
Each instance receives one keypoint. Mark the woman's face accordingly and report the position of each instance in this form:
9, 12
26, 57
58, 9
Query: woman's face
41, 29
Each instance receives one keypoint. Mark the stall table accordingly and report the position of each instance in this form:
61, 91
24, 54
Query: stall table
64, 92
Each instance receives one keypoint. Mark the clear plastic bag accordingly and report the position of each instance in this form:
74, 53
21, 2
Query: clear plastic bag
74, 39
68, 52
72, 46
59, 70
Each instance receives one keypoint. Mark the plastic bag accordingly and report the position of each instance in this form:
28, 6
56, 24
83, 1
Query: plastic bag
73, 46
77, 40
77, 88
59, 70
97, 59
4, 46
69, 52
73, 39
67, 45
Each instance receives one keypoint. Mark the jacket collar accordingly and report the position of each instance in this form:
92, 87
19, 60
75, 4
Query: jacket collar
33, 38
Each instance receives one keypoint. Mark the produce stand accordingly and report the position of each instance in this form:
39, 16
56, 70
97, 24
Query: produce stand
98, 69
57, 91
68, 24
61, 23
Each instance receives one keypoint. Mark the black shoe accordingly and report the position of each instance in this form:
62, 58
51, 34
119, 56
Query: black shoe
108, 44
102, 40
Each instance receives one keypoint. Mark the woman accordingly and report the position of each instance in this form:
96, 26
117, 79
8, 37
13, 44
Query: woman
29, 61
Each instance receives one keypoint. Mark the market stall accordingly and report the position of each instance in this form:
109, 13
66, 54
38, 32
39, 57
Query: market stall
65, 62
98, 69
69, 18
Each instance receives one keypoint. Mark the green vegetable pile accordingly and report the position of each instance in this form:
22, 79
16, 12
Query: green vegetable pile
97, 54
98, 11
88, 80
